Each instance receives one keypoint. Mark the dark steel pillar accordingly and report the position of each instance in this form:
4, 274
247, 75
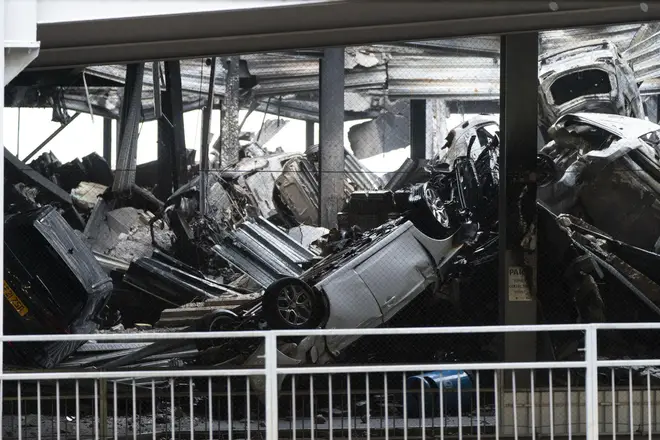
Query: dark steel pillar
418, 129
171, 137
204, 150
517, 207
129, 121
331, 136
309, 133
107, 140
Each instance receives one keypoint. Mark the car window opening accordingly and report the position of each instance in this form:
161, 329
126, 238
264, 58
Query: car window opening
584, 82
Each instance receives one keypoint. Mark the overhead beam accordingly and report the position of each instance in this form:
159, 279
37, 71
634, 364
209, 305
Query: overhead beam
517, 204
331, 136
159, 36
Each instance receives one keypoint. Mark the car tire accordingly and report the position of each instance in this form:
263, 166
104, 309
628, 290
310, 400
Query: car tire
291, 304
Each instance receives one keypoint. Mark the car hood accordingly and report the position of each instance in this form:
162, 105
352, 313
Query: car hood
621, 126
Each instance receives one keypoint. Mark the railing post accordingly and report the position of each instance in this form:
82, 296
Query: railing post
272, 417
591, 385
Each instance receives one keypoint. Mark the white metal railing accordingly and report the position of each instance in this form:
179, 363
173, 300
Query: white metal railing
504, 399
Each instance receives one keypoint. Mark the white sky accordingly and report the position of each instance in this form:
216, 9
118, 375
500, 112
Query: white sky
85, 135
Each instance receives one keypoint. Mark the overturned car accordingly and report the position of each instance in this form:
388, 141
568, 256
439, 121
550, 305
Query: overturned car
592, 77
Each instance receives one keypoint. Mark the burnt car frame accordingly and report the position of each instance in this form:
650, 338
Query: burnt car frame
591, 77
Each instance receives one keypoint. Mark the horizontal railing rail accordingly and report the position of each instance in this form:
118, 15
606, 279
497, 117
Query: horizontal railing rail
273, 400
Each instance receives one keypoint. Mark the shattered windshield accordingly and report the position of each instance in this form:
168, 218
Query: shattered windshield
584, 82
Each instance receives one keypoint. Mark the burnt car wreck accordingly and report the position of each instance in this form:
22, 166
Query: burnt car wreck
424, 237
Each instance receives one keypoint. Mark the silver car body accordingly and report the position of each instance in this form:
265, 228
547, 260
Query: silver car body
458, 139
592, 77
370, 286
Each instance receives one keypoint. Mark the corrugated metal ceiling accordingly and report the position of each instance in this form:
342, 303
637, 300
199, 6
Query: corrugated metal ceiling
459, 69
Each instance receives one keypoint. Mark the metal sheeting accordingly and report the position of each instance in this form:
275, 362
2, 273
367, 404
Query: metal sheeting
455, 69
644, 57
465, 78
263, 252
620, 35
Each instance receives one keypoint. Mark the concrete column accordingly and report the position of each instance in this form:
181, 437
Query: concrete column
418, 129
518, 259
229, 145
331, 136
437, 113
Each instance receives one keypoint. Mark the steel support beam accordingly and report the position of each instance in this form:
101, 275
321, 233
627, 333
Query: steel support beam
131, 115
331, 136
418, 129
171, 136
52, 136
309, 133
204, 150
517, 204
107, 140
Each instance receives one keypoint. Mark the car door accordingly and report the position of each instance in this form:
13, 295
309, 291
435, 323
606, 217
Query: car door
398, 271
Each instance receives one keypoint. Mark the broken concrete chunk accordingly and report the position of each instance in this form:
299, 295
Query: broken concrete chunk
305, 235
388, 132
86, 194
123, 219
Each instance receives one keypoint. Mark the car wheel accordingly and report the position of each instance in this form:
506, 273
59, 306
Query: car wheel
291, 304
